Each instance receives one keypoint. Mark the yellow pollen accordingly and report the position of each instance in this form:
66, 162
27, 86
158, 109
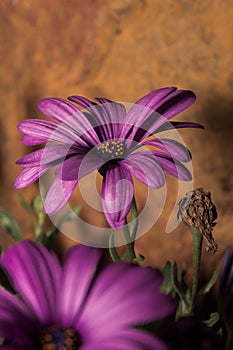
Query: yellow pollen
111, 150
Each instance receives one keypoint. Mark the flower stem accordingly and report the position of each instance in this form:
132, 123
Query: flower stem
130, 235
197, 249
112, 249
130, 232
129, 243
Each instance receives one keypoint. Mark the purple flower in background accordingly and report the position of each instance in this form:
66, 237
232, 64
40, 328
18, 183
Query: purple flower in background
78, 305
225, 299
106, 137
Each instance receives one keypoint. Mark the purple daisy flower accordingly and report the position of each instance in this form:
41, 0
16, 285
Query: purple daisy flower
106, 137
79, 304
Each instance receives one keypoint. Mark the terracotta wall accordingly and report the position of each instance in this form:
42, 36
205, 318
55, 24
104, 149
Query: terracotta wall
123, 49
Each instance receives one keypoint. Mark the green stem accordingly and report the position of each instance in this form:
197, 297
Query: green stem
130, 236
197, 249
134, 219
129, 242
112, 250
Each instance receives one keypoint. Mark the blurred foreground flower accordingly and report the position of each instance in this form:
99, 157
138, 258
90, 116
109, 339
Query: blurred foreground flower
78, 305
104, 137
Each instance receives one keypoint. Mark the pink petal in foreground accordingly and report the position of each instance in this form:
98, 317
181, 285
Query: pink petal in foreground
80, 261
13, 313
138, 302
128, 339
35, 274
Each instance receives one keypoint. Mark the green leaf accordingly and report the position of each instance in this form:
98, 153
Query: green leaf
214, 318
209, 285
10, 225
26, 206
69, 216
126, 257
180, 286
139, 259
47, 236
37, 204
167, 286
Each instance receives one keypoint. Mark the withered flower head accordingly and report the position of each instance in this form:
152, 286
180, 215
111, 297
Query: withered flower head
198, 211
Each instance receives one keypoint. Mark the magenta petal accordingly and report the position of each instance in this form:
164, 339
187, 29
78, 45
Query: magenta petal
68, 114
103, 117
112, 115
43, 156
29, 176
35, 274
170, 106
173, 167
174, 148
81, 101
79, 165
58, 109
117, 195
154, 98
150, 101
128, 339
12, 314
178, 125
58, 195
146, 168
176, 103
137, 302
69, 169
48, 130
77, 276
153, 114
142, 108
28, 140
102, 100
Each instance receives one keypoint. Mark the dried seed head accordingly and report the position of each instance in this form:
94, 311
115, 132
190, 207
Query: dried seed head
198, 211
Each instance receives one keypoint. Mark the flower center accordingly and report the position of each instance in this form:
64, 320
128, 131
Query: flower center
59, 338
111, 150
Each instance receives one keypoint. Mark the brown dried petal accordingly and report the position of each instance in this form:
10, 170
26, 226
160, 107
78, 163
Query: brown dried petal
198, 211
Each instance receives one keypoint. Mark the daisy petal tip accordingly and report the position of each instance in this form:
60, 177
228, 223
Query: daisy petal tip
188, 177
16, 185
19, 184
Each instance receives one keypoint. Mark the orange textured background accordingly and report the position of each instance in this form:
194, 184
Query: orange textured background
123, 49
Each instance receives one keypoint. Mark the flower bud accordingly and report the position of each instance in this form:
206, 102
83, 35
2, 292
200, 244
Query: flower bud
198, 211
